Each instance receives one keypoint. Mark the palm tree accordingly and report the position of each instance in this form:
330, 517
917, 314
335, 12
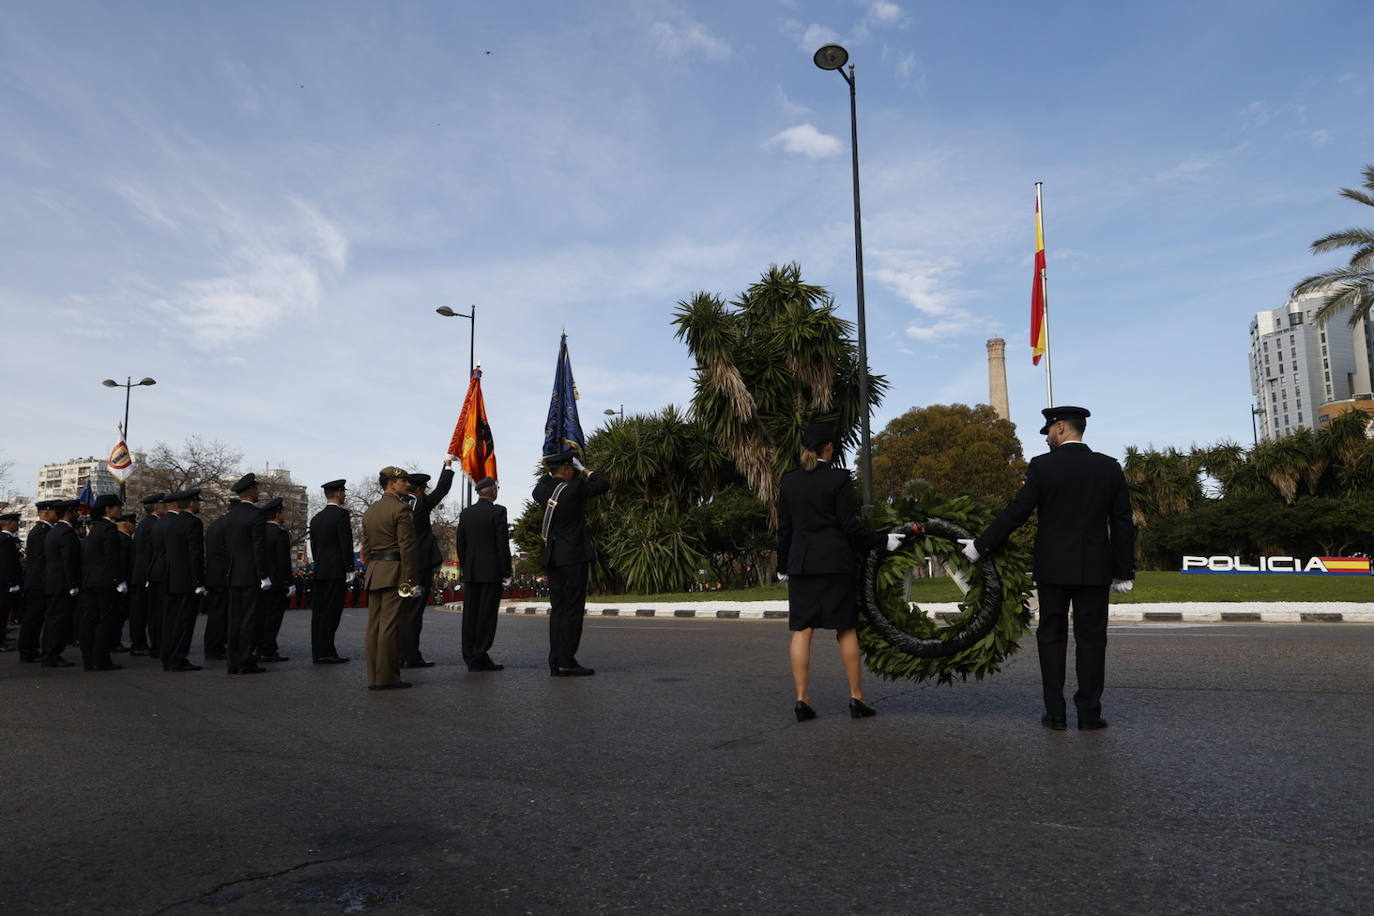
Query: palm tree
1352, 286
1161, 483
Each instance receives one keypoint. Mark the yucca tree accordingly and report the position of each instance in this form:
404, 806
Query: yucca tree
1352, 286
769, 363
1161, 483
1287, 463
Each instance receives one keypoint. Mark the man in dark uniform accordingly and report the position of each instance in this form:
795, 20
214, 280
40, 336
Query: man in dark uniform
184, 542
217, 586
1084, 549
61, 582
428, 558
279, 594
157, 577
484, 554
11, 576
331, 547
140, 593
102, 584
563, 493
246, 538
126, 524
35, 598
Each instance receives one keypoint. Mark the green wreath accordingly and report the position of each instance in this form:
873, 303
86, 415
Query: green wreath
901, 642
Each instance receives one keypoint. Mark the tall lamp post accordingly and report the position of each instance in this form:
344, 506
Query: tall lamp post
612, 413
128, 385
834, 57
472, 354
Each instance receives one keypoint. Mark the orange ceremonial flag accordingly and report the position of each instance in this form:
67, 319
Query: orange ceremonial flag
1039, 333
472, 444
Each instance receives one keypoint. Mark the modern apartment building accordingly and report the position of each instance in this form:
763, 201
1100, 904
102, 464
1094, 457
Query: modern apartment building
66, 480
1296, 365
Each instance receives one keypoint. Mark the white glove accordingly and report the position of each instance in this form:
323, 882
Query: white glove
577, 463
505, 583
782, 577
13, 589
350, 578
202, 590
290, 591
122, 587
74, 592
970, 551
148, 584
894, 541
265, 584
405, 591
1122, 586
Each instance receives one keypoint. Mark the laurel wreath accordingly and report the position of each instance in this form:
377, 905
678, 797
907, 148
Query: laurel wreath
902, 642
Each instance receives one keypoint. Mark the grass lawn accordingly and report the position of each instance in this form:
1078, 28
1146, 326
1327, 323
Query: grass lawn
1150, 587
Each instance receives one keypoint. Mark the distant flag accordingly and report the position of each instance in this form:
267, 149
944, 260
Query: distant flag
1040, 307
472, 443
121, 463
563, 430
86, 497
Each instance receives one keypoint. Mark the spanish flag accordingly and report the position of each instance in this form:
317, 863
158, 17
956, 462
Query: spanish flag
1039, 331
472, 444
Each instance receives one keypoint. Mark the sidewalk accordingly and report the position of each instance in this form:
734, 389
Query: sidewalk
1187, 612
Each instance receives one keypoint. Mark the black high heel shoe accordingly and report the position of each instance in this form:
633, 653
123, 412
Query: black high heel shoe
858, 709
803, 711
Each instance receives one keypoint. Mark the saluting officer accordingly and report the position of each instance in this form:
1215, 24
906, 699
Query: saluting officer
331, 547
246, 537
102, 583
217, 586
484, 553
1084, 548
61, 582
567, 551
428, 558
184, 542
11, 576
389, 551
278, 595
140, 592
35, 582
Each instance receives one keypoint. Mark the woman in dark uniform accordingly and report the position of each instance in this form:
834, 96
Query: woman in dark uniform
818, 534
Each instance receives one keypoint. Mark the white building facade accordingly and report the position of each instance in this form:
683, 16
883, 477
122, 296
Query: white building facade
66, 480
1296, 365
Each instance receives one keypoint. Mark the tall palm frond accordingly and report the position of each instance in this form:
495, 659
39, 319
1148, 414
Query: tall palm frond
1352, 286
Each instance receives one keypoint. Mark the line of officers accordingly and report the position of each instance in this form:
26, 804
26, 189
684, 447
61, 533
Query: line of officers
155, 573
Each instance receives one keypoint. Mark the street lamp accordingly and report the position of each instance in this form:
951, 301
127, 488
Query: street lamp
472, 355
128, 385
834, 57
611, 413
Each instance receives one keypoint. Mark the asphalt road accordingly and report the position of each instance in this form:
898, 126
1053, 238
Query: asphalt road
1235, 778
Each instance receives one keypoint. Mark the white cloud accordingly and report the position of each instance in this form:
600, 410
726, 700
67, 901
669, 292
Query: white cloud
790, 108
144, 202
684, 35
885, 12
1321, 137
1258, 114
1188, 169
815, 35
925, 283
808, 141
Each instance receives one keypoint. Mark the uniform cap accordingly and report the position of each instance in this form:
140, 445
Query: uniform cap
47, 504
558, 460
246, 482
817, 435
419, 480
9, 517
391, 472
272, 505
1055, 414
333, 485
152, 499
105, 500
185, 496
127, 517
486, 483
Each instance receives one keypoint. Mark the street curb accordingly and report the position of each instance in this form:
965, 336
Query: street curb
1182, 612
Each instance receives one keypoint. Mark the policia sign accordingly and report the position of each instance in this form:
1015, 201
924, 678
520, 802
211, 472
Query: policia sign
1313, 566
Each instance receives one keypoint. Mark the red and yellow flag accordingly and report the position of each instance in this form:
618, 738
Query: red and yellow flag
472, 444
1039, 334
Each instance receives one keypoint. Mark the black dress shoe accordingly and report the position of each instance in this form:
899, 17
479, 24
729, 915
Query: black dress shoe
119, 647
804, 711
1088, 725
858, 709
6, 648
274, 658
27, 659
250, 669
486, 666
138, 650
420, 664
59, 663
1055, 723
109, 667
574, 671
214, 656
185, 666
394, 685
331, 660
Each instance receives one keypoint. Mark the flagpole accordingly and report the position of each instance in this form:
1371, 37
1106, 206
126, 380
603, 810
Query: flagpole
1045, 299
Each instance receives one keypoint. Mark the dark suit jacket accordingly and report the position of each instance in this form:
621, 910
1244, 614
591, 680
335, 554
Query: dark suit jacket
818, 531
279, 557
244, 532
126, 557
61, 560
427, 552
484, 542
1085, 534
568, 542
143, 548
217, 553
11, 566
35, 576
100, 567
184, 540
331, 542
157, 546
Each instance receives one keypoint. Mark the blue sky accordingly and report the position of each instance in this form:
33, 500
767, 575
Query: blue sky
261, 204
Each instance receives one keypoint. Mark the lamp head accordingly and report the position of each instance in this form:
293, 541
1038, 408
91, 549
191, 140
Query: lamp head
446, 311
110, 383
831, 57
148, 381
608, 412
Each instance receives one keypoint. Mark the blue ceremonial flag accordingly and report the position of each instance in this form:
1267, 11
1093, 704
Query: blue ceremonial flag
86, 496
563, 430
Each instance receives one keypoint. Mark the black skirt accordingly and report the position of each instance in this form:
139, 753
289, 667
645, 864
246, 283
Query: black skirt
827, 601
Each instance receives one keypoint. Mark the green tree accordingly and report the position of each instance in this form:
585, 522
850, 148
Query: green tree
767, 364
950, 449
1352, 286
